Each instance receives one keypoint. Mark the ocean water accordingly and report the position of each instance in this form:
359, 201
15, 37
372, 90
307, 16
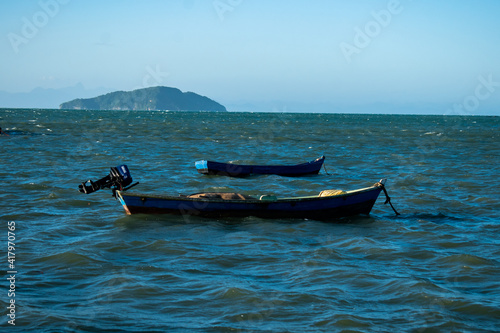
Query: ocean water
82, 265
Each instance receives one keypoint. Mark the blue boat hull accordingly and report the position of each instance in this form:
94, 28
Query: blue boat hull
241, 170
314, 207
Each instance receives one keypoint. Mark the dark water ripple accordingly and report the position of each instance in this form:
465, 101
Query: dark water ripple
84, 266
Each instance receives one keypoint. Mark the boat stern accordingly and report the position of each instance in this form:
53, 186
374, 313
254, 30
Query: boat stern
201, 166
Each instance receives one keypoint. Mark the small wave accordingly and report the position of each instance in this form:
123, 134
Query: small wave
26, 133
431, 217
65, 259
465, 260
472, 308
234, 293
349, 321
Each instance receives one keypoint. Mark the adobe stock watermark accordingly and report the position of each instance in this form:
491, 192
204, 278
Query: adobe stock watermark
153, 77
31, 27
371, 30
224, 6
471, 103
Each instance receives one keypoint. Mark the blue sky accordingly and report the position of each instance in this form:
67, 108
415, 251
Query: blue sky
344, 53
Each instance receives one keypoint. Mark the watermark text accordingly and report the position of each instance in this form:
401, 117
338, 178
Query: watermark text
32, 26
11, 272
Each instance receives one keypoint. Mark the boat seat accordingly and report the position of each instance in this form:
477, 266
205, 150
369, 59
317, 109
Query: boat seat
220, 195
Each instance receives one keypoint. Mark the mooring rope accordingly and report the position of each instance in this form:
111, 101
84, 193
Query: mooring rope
388, 199
324, 167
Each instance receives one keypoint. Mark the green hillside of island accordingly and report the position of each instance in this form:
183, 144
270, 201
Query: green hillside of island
154, 98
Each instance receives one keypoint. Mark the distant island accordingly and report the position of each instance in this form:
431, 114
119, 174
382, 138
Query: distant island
154, 98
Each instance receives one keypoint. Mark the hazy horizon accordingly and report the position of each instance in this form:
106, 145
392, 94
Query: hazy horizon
288, 55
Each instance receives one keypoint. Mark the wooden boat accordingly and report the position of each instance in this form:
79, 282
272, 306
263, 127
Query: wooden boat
241, 170
325, 206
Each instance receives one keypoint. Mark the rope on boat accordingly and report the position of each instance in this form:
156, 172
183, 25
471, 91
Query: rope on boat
324, 167
388, 199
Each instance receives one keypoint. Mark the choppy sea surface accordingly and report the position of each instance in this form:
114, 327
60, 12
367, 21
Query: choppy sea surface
82, 265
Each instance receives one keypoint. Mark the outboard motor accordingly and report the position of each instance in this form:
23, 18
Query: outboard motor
118, 179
